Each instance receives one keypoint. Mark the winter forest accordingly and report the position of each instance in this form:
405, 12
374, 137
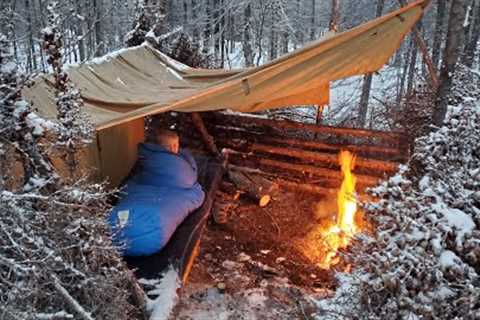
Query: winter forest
365, 207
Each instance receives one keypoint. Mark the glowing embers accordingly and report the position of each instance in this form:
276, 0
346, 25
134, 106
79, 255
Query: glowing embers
335, 231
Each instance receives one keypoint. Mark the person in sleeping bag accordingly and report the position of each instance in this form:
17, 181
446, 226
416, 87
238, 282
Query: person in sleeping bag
159, 195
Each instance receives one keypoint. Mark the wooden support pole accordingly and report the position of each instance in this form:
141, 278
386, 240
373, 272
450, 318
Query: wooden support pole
206, 137
432, 70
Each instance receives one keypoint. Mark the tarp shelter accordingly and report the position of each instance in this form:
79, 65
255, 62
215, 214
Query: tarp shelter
121, 89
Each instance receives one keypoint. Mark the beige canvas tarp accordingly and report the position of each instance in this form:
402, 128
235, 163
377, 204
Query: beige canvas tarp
121, 89
141, 81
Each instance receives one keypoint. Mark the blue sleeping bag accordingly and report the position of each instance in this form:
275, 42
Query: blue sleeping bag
158, 197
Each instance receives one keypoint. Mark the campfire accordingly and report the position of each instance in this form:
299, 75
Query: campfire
335, 232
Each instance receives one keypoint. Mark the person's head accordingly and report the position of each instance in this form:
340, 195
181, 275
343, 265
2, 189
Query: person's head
168, 139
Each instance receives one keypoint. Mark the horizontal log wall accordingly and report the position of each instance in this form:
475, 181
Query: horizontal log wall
299, 156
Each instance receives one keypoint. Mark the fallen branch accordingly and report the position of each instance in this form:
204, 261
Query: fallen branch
70, 300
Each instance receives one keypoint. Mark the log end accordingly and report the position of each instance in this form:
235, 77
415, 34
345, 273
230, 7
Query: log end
264, 201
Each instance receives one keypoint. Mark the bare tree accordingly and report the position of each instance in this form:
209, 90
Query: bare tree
247, 34
335, 16
439, 31
455, 41
472, 44
367, 81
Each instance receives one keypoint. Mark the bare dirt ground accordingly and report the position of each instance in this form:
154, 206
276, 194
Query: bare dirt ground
253, 268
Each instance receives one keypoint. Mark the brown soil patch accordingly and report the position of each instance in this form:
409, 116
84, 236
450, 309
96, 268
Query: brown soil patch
265, 241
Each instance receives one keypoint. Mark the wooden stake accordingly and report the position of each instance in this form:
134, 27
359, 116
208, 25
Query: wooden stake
206, 137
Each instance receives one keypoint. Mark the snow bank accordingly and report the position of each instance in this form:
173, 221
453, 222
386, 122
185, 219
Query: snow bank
165, 293
425, 262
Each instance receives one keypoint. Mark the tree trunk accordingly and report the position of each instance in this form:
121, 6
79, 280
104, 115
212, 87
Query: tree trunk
273, 36
438, 35
367, 81
312, 22
99, 36
195, 21
403, 78
285, 37
207, 31
32, 61
471, 46
216, 28
300, 35
335, 16
80, 33
455, 41
222, 34
247, 39
412, 67
185, 13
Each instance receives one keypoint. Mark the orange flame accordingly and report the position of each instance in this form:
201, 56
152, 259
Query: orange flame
340, 234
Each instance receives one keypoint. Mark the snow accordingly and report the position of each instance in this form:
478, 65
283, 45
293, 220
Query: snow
47, 31
165, 291
341, 304
248, 305
8, 68
175, 73
100, 60
121, 81
53, 316
456, 219
38, 124
174, 63
449, 259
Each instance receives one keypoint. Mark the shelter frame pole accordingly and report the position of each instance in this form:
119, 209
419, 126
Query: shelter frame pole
206, 137
432, 70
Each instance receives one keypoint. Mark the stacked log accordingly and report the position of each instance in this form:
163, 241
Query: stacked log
298, 156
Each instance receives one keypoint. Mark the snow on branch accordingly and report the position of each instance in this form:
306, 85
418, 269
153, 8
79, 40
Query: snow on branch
425, 260
75, 129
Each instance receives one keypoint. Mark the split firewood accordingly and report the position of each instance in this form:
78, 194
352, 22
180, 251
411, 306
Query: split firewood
222, 210
256, 187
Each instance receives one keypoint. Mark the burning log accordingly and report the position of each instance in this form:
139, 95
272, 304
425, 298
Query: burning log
256, 187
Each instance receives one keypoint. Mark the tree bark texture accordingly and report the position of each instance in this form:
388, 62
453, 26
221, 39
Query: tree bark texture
455, 41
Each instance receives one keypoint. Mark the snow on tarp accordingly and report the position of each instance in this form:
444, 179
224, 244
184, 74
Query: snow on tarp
300, 78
